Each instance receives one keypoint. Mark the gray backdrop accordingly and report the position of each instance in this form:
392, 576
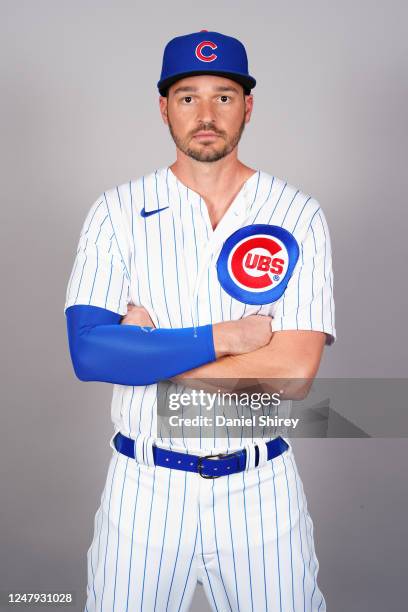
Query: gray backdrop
79, 114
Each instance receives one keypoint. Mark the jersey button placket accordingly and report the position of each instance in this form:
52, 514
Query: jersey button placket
229, 222
205, 242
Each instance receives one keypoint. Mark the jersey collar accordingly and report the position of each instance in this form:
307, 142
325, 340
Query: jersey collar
169, 189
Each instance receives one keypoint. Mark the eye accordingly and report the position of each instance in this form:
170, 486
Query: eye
187, 99
224, 99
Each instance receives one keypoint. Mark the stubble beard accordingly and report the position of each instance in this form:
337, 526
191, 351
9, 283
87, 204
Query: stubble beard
204, 153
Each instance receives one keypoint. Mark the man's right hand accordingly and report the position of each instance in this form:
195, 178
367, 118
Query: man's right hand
137, 315
242, 336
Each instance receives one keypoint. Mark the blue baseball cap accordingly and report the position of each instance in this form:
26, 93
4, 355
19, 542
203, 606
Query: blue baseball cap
205, 52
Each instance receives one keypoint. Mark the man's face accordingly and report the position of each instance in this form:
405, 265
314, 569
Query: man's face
206, 115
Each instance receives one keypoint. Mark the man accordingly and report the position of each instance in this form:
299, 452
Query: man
206, 269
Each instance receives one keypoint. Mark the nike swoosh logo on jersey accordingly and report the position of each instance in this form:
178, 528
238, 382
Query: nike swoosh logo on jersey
146, 213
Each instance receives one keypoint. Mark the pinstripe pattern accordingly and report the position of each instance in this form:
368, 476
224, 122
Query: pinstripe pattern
167, 263
247, 537
259, 565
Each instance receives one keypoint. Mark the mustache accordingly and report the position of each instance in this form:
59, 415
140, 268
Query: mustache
207, 127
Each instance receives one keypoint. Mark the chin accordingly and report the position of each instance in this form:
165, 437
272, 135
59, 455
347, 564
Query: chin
208, 156
206, 153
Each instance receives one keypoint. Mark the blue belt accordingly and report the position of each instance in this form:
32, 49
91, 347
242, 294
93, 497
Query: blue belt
209, 466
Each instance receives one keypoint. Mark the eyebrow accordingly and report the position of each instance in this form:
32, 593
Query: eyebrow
226, 88
189, 89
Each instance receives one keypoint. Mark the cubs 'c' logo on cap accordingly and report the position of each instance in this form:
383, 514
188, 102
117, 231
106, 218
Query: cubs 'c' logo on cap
256, 263
205, 57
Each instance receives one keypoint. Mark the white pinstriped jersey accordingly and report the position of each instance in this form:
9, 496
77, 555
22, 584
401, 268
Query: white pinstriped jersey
166, 262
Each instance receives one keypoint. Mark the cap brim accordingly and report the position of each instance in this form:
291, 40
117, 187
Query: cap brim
246, 81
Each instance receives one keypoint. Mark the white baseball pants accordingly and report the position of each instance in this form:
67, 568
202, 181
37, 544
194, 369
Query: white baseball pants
247, 537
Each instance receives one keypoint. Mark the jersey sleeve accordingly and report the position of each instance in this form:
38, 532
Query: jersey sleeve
308, 302
97, 297
99, 275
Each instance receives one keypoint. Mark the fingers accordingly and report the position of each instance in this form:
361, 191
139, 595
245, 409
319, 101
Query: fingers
134, 308
137, 315
141, 313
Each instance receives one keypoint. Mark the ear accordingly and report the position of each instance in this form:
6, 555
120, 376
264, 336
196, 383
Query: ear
249, 105
163, 109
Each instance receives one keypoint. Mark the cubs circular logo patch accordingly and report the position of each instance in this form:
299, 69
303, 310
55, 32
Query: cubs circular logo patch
256, 263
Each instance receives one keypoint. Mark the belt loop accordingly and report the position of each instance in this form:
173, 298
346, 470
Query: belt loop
139, 449
250, 456
288, 442
263, 452
149, 451
111, 443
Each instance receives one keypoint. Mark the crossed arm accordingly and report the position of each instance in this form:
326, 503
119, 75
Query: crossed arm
289, 362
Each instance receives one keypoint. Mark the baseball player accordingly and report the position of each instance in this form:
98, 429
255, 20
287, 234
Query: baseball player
203, 269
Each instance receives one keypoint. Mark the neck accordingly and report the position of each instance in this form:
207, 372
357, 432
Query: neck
217, 182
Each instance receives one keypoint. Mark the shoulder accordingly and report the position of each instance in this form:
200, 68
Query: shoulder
135, 190
121, 201
286, 194
288, 205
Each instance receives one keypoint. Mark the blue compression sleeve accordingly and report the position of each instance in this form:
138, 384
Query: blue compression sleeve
103, 350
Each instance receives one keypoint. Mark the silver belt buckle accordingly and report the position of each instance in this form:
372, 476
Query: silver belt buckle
217, 456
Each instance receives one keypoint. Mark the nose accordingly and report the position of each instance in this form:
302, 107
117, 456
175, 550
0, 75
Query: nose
206, 112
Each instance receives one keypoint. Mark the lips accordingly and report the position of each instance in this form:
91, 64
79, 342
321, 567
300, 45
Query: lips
205, 135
